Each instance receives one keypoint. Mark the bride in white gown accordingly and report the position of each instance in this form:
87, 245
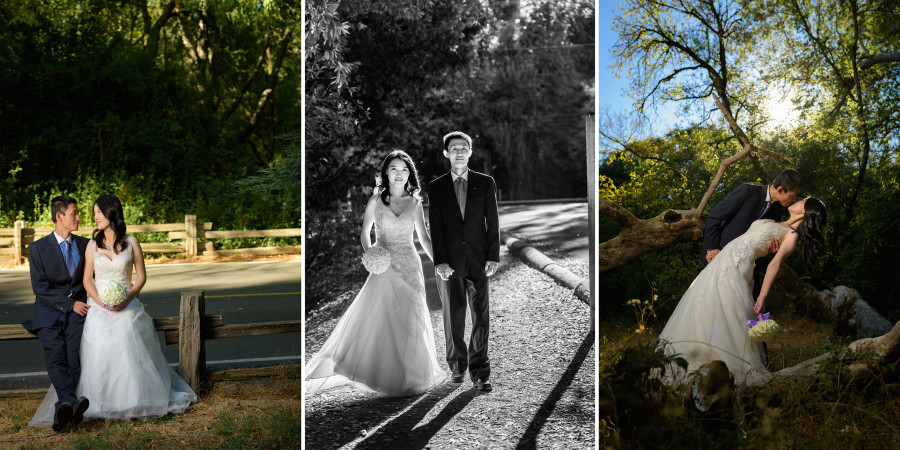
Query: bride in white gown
709, 322
384, 341
124, 374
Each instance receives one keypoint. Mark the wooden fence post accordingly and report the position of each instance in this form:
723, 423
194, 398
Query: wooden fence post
593, 174
18, 242
191, 348
190, 235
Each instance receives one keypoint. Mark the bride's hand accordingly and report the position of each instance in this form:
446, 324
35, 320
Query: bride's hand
759, 306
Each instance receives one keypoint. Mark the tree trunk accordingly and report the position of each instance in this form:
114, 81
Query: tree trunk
639, 237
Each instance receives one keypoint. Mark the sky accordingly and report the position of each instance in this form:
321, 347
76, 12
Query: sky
613, 91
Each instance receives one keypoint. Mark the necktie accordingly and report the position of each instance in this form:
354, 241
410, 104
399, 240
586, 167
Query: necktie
461, 195
765, 208
71, 260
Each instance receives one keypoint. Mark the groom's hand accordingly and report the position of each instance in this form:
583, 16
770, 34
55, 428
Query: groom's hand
444, 271
80, 308
774, 245
710, 254
490, 267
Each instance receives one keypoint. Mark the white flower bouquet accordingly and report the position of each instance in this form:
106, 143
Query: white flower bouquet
112, 294
376, 259
762, 330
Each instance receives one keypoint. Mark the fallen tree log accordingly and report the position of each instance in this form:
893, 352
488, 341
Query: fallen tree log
641, 236
887, 345
711, 387
841, 306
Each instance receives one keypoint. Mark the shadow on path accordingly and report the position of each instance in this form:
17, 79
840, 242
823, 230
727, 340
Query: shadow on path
400, 432
529, 438
332, 426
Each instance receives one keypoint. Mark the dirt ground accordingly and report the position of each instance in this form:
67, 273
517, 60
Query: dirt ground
543, 372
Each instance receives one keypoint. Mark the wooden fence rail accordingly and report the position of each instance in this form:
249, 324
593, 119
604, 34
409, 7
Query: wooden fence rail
190, 329
15, 241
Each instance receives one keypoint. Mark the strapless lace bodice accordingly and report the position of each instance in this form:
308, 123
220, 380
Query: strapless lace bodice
753, 244
116, 269
395, 233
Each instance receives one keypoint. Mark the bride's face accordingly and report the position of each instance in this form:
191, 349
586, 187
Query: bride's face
100, 219
397, 172
798, 208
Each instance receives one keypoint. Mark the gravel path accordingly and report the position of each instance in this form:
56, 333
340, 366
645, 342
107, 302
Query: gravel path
543, 372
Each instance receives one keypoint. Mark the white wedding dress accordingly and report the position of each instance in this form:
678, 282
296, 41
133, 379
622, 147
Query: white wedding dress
710, 321
384, 341
124, 374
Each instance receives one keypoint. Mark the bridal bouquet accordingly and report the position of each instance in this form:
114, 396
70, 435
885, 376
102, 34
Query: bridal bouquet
112, 294
376, 259
762, 330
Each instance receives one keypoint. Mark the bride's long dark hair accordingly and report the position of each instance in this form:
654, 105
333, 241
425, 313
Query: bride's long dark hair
412, 183
812, 229
111, 208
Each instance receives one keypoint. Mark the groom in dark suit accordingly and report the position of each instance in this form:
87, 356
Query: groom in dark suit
465, 233
733, 215
57, 268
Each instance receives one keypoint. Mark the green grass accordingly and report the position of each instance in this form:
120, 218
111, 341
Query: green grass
264, 414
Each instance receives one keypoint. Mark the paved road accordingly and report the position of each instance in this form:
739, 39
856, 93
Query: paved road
563, 225
242, 292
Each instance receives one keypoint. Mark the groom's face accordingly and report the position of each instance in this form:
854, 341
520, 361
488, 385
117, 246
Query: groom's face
786, 198
458, 152
70, 219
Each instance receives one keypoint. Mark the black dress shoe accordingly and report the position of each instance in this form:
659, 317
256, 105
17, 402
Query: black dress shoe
456, 378
63, 417
483, 386
80, 408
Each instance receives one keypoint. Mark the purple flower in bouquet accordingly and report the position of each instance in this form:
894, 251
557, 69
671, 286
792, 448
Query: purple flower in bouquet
763, 329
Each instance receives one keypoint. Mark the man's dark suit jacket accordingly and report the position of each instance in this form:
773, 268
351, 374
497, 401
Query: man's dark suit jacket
464, 244
51, 282
733, 215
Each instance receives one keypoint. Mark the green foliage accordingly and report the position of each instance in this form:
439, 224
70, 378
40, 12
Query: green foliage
825, 58
281, 180
96, 100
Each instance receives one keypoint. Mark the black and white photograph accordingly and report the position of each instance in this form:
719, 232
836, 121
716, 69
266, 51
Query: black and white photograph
449, 152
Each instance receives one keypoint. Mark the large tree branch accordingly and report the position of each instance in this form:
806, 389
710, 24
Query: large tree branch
270, 86
621, 215
248, 82
640, 237
748, 147
153, 28
881, 58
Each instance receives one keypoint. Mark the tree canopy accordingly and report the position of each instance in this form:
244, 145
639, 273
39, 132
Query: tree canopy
838, 64
165, 104
518, 77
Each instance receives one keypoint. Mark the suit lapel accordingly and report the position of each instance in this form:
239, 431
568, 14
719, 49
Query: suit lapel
472, 188
54, 247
